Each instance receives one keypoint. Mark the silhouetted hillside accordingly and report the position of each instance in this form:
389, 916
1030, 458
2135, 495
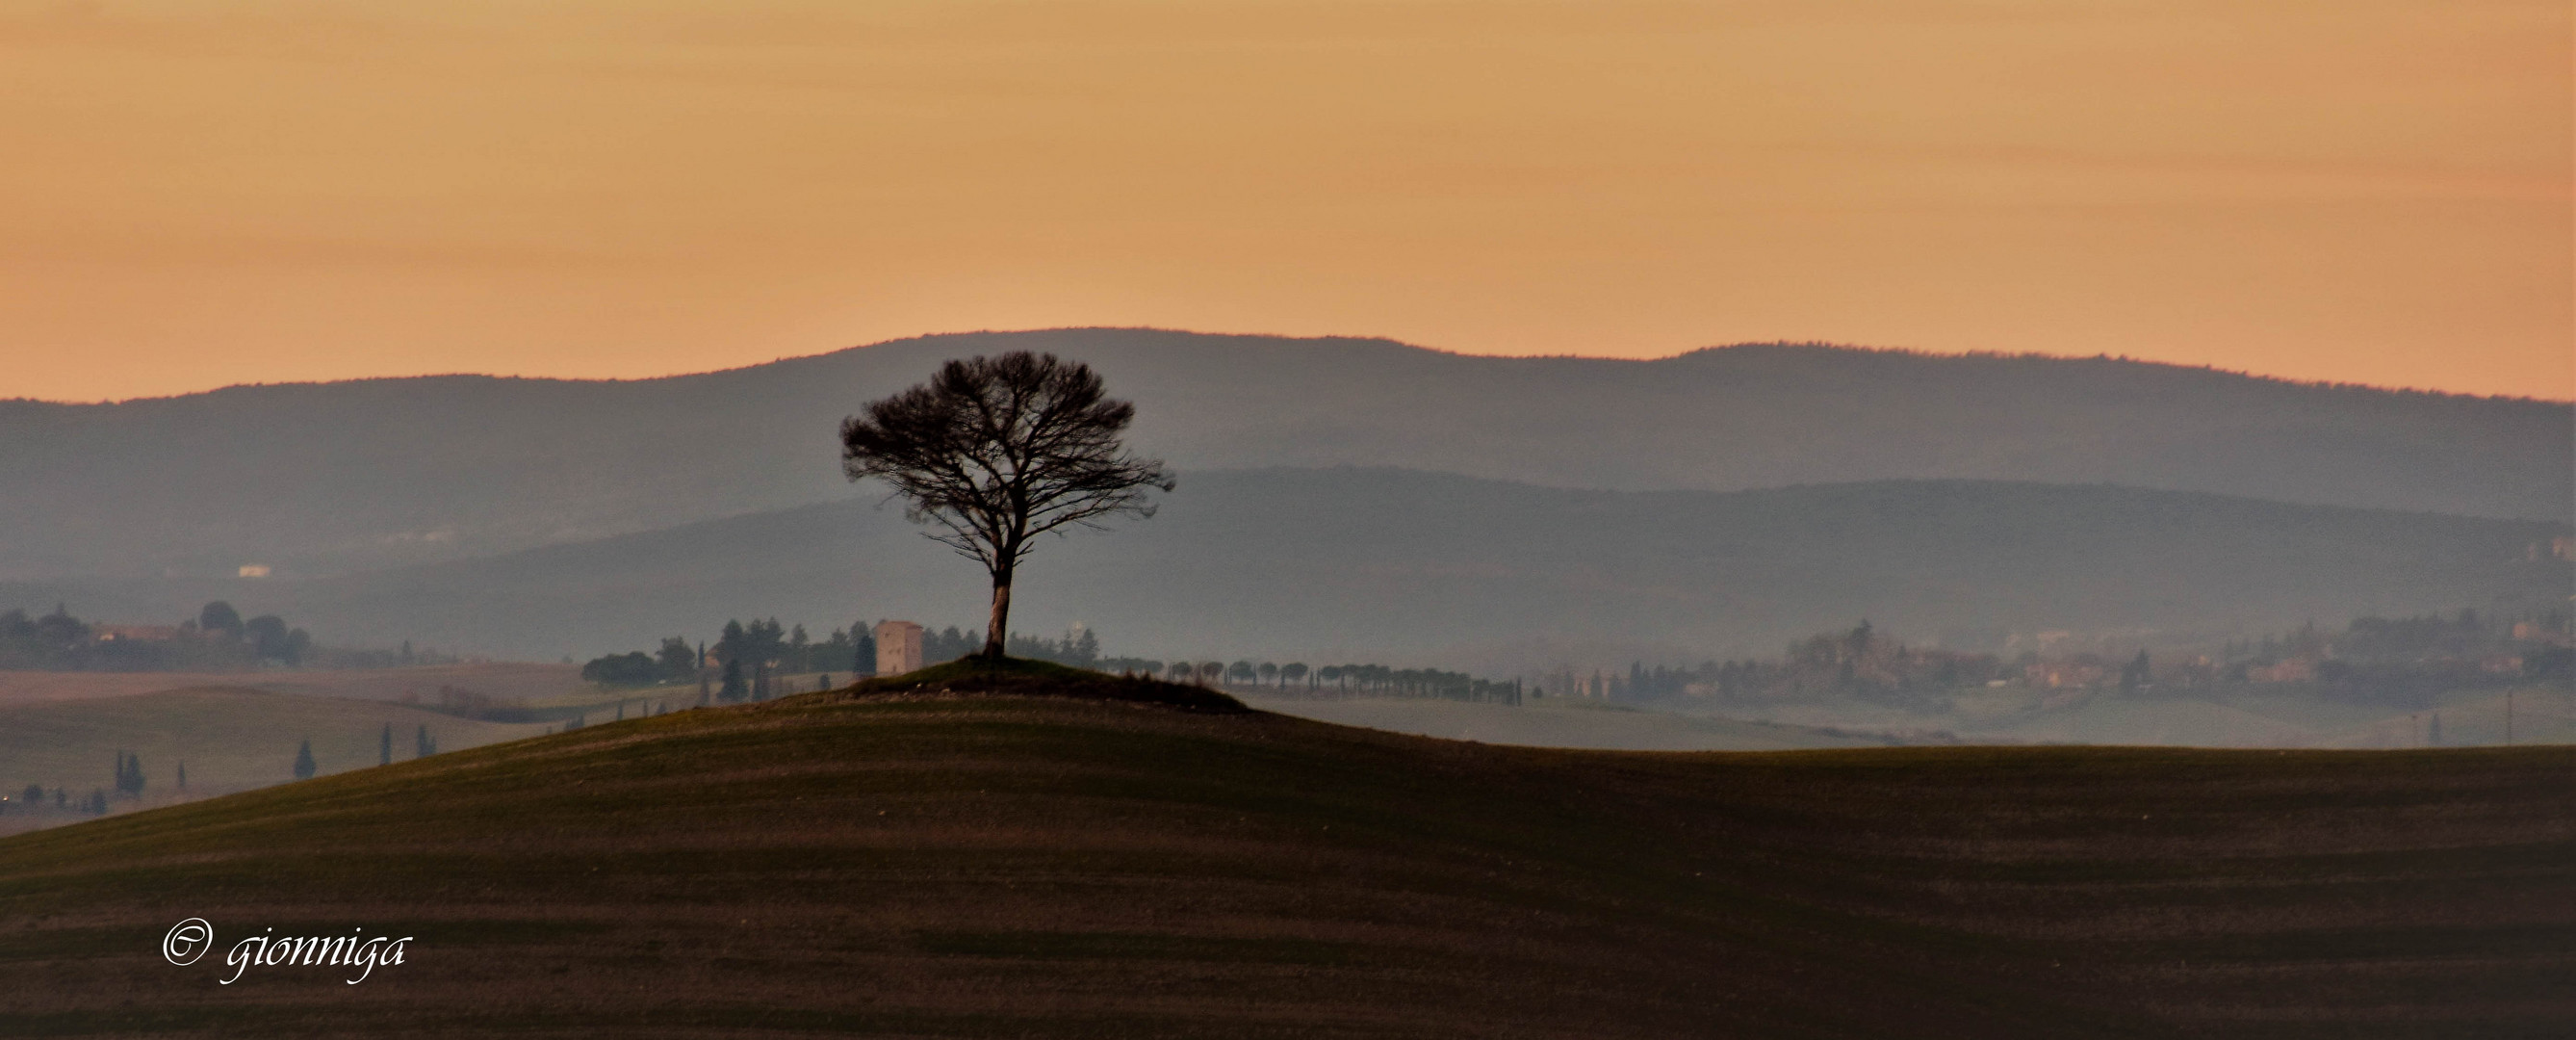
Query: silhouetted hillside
317, 478
1039, 868
1378, 561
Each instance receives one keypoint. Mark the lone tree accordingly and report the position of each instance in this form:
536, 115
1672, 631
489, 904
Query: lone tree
993, 452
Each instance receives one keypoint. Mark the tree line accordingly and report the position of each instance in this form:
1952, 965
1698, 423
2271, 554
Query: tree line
741, 662
2392, 661
129, 785
1295, 677
218, 638
745, 663
1857, 663
746, 659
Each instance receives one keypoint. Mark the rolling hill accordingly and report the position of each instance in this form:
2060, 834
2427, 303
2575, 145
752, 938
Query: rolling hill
229, 738
316, 479
544, 683
983, 866
1356, 563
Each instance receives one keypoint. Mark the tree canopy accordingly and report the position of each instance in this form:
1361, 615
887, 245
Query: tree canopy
995, 451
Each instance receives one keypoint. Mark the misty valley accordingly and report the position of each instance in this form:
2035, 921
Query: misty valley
1689, 692
2178, 611
1836, 520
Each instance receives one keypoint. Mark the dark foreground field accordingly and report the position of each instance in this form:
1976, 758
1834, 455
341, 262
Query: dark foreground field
1012, 867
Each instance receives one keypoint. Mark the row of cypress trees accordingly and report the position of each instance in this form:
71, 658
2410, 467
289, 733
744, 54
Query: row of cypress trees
129, 784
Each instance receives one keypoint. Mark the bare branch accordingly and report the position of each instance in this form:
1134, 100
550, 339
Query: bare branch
996, 451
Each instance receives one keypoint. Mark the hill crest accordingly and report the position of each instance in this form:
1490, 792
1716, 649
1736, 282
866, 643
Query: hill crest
1715, 352
318, 478
1025, 867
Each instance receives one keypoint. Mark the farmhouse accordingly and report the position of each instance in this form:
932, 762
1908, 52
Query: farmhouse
898, 647
134, 633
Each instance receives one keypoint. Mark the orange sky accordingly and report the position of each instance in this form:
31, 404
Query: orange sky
197, 194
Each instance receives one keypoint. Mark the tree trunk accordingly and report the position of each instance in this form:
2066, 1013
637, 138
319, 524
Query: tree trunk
1001, 617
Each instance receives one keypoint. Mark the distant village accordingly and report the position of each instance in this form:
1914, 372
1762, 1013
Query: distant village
218, 639
2397, 662
2390, 661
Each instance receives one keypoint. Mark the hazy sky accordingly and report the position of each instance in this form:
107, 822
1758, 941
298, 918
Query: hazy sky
196, 194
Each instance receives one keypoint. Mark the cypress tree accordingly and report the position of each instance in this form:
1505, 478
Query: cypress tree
385, 746
2134, 675
129, 775
304, 760
734, 688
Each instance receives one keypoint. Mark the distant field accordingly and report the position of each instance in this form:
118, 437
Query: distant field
2469, 718
517, 681
999, 867
1567, 724
235, 732
230, 739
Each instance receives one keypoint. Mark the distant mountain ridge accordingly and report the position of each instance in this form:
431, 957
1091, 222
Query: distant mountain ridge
320, 478
1416, 566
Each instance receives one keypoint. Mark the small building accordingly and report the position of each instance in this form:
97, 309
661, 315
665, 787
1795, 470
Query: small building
898, 647
134, 633
2535, 632
2063, 675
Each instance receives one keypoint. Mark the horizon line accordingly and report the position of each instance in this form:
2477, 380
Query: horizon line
1922, 352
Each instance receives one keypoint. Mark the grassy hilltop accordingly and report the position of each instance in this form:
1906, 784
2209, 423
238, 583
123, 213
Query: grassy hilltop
947, 864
